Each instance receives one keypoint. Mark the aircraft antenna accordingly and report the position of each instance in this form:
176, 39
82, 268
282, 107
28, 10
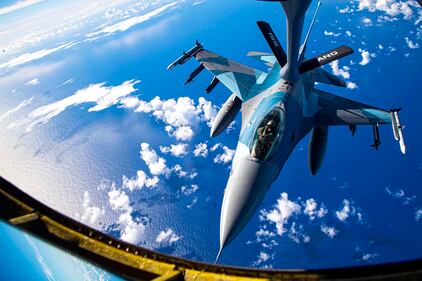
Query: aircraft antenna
303, 47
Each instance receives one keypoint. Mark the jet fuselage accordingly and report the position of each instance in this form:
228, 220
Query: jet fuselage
283, 116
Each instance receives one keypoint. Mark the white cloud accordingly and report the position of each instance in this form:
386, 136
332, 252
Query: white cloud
342, 72
184, 133
68, 81
311, 209
330, 33
167, 237
263, 234
33, 82
369, 257
367, 21
281, 213
91, 214
297, 234
418, 214
102, 96
131, 230
225, 157
201, 150
400, 194
330, 231
208, 110
351, 85
262, 258
346, 211
128, 23
366, 56
178, 170
392, 8
156, 165
189, 190
72, 21
119, 201
139, 181
194, 201
28, 57
216, 146
178, 115
177, 150
411, 44
346, 10
17, 108
18, 5
348, 33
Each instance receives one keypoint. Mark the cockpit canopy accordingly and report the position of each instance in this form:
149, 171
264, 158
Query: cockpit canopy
267, 134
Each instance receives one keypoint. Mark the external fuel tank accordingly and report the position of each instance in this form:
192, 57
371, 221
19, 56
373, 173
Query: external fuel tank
226, 115
317, 148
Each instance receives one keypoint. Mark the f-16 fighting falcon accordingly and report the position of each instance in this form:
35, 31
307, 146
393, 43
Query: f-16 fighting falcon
279, 108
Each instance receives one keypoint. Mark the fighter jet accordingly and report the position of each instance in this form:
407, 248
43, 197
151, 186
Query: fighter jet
279, 108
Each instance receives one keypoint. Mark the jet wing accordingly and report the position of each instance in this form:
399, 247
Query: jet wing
336, 110
236, 77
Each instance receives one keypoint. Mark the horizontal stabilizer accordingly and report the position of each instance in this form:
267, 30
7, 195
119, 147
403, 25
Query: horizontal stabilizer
267, 58
323, 76
325, 58
273, 42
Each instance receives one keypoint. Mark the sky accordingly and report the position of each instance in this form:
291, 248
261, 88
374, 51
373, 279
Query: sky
95, 127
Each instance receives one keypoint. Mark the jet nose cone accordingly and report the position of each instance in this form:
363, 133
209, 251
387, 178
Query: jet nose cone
244, 193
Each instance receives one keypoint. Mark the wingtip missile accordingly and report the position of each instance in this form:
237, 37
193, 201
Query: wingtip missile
186, 55
398, 129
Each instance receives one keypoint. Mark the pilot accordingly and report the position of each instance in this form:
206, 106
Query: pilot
265, 139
